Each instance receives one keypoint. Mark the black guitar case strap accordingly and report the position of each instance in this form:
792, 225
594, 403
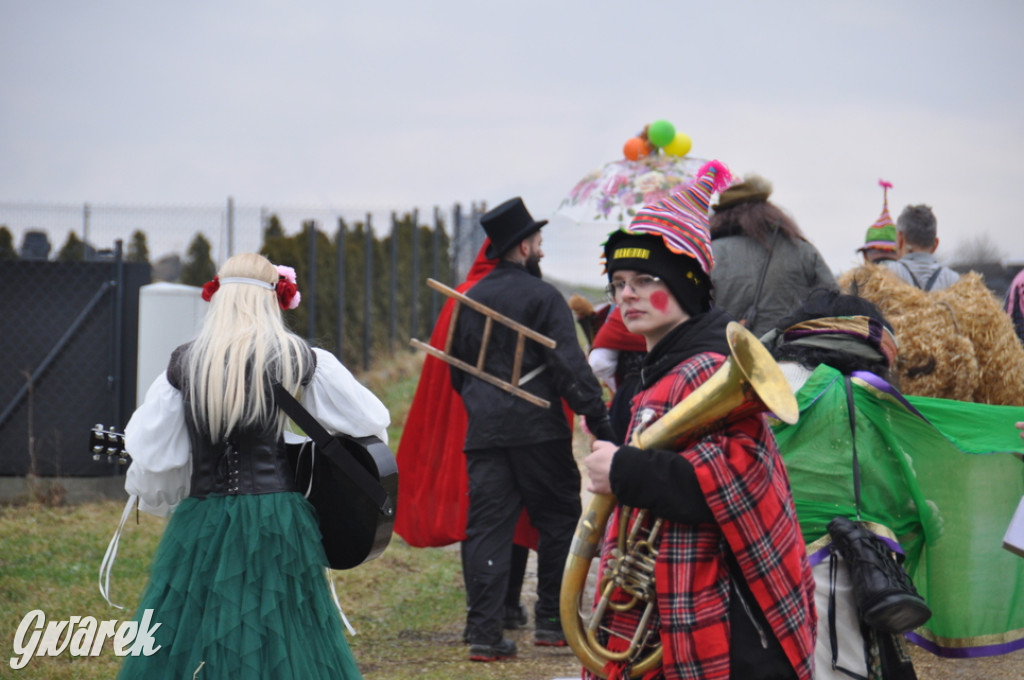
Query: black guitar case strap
334, 450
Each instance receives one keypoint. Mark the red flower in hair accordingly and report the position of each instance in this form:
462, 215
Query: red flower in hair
288, 295
211, 287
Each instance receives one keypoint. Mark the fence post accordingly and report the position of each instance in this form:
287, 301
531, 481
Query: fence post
85, 232
311, 285
415, 321
435, 266
116, 360
367, 288
457, 231
393, 281
231, 226
340, 282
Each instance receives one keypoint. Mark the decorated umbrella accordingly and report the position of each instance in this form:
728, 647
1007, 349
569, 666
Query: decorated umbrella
655, 161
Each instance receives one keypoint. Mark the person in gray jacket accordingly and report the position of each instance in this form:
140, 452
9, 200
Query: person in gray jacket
765, 266
916, 242
517, 453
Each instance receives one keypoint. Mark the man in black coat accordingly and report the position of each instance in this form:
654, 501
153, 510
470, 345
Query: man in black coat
519, 454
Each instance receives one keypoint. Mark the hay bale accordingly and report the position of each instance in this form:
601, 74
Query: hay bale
934, 360
889, 292
956, 344
982, 319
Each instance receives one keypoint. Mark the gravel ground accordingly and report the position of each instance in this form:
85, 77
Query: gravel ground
931, 667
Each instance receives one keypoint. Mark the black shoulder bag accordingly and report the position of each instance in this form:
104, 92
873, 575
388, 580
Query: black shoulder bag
352, 483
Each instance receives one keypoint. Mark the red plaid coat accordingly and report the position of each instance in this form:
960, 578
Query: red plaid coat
745, 484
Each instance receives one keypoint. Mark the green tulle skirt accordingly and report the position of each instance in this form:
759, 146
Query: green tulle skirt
238, 588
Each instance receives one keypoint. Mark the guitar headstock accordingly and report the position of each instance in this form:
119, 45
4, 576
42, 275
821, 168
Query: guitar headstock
109, 443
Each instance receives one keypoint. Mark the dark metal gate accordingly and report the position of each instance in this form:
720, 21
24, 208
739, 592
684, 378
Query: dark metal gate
68, 348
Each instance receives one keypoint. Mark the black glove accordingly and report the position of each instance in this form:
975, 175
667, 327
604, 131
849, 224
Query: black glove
601, 427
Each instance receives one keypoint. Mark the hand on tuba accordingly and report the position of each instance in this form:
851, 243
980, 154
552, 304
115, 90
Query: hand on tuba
599, 465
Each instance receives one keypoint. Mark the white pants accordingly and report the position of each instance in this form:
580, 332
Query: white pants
849, 641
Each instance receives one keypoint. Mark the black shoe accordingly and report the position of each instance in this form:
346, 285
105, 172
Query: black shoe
515, 616
549, 633
504, 649
549, 638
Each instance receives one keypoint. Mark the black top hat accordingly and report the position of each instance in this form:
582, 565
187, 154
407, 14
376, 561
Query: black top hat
507, 225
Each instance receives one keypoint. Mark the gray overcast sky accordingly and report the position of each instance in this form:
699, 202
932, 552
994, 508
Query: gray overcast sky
403, 103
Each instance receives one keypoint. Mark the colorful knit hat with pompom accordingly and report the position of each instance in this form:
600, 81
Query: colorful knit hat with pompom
882, 234
681, 219
671, 239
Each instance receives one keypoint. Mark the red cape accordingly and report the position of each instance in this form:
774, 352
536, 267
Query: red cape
433, 494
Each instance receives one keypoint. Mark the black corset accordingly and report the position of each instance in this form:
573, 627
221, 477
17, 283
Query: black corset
244, 464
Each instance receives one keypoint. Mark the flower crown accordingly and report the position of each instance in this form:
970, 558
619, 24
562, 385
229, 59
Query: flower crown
288, 295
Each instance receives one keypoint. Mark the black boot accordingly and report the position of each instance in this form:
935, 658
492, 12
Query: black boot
515, 616
503, 649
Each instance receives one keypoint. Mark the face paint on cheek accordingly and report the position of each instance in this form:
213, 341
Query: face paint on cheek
659, 299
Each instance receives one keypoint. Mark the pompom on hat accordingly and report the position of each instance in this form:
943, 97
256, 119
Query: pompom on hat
681, 219
882, 234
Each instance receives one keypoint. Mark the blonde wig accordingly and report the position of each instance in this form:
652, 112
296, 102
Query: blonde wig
242, 347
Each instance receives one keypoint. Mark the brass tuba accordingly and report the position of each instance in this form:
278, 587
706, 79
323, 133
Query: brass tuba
747, 383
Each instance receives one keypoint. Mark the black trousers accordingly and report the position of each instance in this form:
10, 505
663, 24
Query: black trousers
502, 480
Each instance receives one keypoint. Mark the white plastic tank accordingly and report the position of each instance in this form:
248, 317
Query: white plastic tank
170, 314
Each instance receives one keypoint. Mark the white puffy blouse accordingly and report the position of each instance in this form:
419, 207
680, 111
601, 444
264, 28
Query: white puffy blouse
157, 439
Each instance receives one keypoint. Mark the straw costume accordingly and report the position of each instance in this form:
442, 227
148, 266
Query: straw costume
957, 343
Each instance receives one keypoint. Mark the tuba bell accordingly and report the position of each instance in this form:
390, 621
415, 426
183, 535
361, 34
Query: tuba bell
748, 382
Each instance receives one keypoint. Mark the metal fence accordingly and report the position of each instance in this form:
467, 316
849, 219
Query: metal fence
40, 230
67, 360
68, 349
229, 228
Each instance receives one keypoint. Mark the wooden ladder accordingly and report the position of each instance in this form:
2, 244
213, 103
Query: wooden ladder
477, 371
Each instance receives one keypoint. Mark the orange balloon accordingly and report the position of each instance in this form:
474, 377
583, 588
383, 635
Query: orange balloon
636, 148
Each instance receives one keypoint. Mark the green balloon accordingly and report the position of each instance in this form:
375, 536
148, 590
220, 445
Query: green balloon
660, 133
